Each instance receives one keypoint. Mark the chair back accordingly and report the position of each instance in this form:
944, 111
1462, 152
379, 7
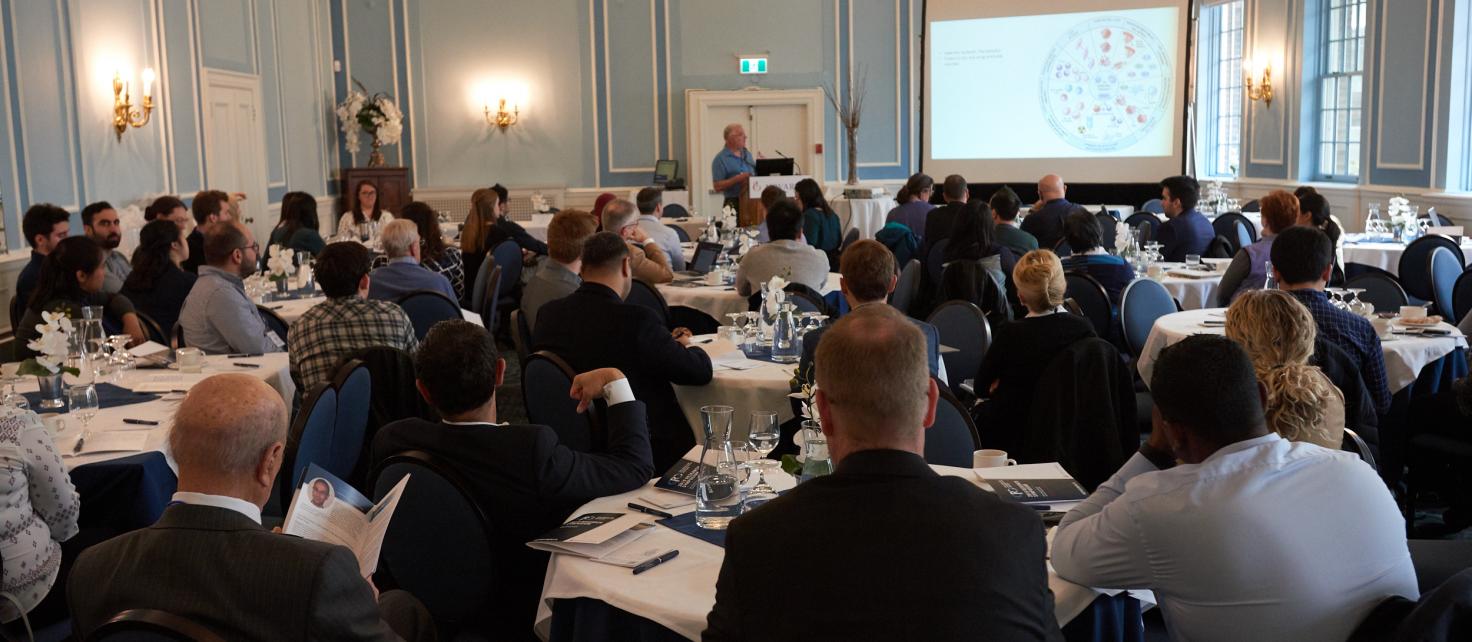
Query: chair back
1062, 249
1143, 301
674, 210
490, 298
805, 299
644, 294
438, 546
178, 337
935, 261
962, 326
905, 289
680, 232
1461, 297
354, 385
849, 238
1153, 206
1108, 226
313, 431
1415, 264
480, 285
1445, 269
1381, 288
394, 396
1092, 300
274, 322
521, 336
952, 439
544, 385
508, 258
426, 308
1436, 219
146, 625
151, 328
1145, 224
1356, 444
1219, 248
17, 310
1252, 206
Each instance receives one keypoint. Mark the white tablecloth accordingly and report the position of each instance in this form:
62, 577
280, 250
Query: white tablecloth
273, 370
762, 388
1405, 356
293, 309
680, 593
1386, 256
537, 227
865, 214
1193, 294
719, 300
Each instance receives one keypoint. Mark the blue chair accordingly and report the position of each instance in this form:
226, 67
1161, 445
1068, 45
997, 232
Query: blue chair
438, 546
521, 336
477, 294
1461, 297
354, 386
1414, 269
680, 232
644, 294
508, 257
1445, 269
426, 308
906, 288
1253, 205
935, 261
313, 428
1145, 223
274, 322
953, 437
1143, 301
144, 625
545, 382
674, 210
491, 299
1092, 300
1381, 288
1108, 223
1152, 206
963, 326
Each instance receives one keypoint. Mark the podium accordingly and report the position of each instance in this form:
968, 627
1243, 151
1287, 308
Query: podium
750, 212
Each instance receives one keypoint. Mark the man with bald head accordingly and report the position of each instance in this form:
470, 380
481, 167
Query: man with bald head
209, 559
1046, 220
217, 316
954, 561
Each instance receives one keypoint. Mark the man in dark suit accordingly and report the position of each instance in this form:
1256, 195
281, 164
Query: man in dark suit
525, 480
954, 562
941, 221
592, 328
1186, 231
1045, 223
208, 559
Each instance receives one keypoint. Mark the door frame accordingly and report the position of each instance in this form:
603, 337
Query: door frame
260, 193
698, 103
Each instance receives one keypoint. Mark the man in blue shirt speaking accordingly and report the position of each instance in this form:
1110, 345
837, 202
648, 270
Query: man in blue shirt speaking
732, 165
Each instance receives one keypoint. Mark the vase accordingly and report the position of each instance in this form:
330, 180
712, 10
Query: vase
281, 284
376, 158
853, 155
52, 391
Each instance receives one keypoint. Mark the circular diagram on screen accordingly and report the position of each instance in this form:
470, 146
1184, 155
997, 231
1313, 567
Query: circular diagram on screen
1106, 84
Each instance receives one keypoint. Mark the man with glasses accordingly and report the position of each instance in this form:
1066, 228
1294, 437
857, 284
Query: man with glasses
218, 317
648, 261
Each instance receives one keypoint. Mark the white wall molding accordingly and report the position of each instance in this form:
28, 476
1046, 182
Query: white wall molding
1380, 162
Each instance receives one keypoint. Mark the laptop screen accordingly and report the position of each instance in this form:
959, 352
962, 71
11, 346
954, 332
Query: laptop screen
705, 257
665, 171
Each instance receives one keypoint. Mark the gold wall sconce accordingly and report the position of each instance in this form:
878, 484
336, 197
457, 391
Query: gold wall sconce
502, 118
1260, 88
123, 115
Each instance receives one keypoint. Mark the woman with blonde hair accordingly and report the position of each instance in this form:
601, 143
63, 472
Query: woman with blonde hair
1278, 333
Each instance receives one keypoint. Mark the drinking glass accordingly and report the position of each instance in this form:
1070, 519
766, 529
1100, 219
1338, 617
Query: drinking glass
1358, 305
1336, 297
763, 436
10, 372
82, 402
1193, 261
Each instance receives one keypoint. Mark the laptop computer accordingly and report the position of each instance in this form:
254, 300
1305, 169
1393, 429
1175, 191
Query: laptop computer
703, 261
665, 171
775, 167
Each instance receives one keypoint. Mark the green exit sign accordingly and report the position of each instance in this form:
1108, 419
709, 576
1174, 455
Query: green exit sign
754, 65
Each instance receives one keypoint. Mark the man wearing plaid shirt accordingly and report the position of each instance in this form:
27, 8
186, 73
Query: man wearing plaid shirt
347, 321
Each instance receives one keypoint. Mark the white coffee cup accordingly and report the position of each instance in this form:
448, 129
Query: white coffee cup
190, 359
1382, 326
1412, 312
1155, 271
991, 458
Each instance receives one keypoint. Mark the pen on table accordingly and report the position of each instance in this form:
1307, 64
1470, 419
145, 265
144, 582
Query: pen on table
242, 364
244, 355
650, 511
703, 341
140, 422
83, 438
656, 561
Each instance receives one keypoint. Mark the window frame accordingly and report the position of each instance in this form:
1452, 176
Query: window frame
1351, 138
1216, 94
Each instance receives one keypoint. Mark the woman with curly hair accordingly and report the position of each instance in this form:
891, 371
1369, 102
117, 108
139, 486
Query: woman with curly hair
1278, 333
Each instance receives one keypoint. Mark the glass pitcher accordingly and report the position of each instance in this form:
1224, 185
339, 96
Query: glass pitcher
816, 462
717, 485
785, 345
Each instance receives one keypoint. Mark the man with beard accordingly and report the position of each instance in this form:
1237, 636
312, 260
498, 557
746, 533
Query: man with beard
218, 317
100, 223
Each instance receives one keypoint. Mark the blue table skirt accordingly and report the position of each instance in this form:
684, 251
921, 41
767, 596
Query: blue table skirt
120, 495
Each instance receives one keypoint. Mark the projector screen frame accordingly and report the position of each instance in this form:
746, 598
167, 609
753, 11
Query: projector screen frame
1187, 67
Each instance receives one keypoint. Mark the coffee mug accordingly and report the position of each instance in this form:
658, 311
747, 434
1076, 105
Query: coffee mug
190, 359
991, 458
1412, 312
1382, 326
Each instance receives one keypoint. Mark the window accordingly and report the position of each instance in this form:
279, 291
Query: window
1341, 82
1221, 105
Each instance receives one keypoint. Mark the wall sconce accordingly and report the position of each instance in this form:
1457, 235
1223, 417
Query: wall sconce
122, 103
502, 118
1260, 89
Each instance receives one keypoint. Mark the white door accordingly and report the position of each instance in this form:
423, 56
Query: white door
234, 138
711, 139
778, 131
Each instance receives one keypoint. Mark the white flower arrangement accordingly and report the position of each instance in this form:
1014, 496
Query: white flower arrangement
280, 266
776, 294
539, 202
51, 347
376, 114
1123, 238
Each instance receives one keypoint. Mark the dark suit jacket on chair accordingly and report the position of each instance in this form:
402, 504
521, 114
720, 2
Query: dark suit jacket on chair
593, 328
906, 555
227, 573
1188, 233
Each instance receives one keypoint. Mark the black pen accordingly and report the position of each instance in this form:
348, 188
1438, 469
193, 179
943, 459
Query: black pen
650, 511
141, 422
242, 364
656, 561
244, 355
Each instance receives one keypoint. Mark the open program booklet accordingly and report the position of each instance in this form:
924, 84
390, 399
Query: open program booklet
327, 509
602, 537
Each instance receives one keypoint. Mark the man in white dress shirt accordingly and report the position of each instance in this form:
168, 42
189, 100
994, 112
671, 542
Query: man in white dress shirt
1250, 536
651, 207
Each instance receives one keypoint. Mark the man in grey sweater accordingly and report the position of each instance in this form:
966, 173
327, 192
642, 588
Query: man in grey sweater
786, 256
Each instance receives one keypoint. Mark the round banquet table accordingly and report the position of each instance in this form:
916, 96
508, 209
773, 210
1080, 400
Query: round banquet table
293, 309
863, 214
1405, 355
1386, 254
764, 387
1194, 292
537, 227
719, 300
680, 593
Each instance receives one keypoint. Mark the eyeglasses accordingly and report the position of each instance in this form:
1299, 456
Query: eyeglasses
253, 246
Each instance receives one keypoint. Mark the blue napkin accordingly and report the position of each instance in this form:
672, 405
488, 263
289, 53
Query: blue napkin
108, 396
686, 524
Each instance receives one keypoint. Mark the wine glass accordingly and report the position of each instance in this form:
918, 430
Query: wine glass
82, 402
10, 372
762, 436
1358, 305
1336, 297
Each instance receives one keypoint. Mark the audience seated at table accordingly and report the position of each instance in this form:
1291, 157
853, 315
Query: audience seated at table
770, 195
973, 240
786, 255
209, 208
100, 223
217, 316
157, 285
941, 220
1185, 230
1302, 259
365, 209
171, 208
1045, 221
1248, 270
70, 279
558, 276
913, 205
45, 225
593, 328
298, 228
486, 226
404, 273
1084, 239
820, 225
903, 553
526, 481
1005, 205
40, 509
646, 258
651, 208
1278, 333
1023, 349
1313, 211
347, 322
434, 253
1240, 533
209, 560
